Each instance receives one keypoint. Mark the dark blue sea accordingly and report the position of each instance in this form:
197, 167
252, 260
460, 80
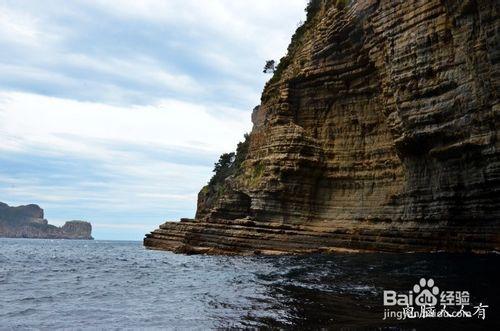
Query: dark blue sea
63, 284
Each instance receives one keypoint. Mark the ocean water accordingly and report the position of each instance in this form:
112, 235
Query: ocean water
62, 284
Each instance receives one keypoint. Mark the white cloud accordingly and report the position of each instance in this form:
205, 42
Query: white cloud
18, 27
35, 120
141, 69
136, 51
260, 23
26, 29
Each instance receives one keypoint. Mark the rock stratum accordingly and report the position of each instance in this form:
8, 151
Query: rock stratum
29, 222
378, 131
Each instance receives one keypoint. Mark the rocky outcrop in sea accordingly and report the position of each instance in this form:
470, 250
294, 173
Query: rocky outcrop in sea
29, 222
378, 131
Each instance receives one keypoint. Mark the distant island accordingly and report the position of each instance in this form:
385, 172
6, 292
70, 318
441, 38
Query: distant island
29, 222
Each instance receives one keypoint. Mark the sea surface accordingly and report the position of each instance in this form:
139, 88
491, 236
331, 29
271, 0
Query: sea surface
64, 284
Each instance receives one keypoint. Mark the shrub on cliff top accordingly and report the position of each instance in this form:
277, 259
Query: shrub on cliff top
312, 8
230, 163
270, 66
222, 168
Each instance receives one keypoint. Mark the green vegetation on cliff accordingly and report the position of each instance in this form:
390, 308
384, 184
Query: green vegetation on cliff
230, 163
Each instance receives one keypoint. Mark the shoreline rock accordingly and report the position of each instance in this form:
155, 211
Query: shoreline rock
378, 131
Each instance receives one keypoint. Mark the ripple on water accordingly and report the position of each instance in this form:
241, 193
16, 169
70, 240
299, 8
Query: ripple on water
60, 284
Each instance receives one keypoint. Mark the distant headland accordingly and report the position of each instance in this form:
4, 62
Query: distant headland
29, 222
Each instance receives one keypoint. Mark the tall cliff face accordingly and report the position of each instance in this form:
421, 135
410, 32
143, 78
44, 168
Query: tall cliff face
28, 222
378, 131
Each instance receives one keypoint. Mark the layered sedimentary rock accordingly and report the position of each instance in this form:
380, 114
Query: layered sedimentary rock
378, 131
29, 222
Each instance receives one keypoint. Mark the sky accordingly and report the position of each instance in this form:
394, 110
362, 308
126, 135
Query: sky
114, 112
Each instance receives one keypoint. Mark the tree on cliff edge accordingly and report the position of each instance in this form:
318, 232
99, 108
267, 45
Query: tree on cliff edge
222, 168
270, 67
230, 163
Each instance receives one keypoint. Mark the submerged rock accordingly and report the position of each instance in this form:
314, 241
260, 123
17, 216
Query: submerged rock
378, 131
29, 222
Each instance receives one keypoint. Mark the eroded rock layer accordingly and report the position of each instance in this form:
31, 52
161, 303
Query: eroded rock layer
378, 131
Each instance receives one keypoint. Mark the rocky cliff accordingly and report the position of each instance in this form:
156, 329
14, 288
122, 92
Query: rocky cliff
378, 131
28, 222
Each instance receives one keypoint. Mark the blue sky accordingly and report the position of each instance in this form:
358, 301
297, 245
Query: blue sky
115, 111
